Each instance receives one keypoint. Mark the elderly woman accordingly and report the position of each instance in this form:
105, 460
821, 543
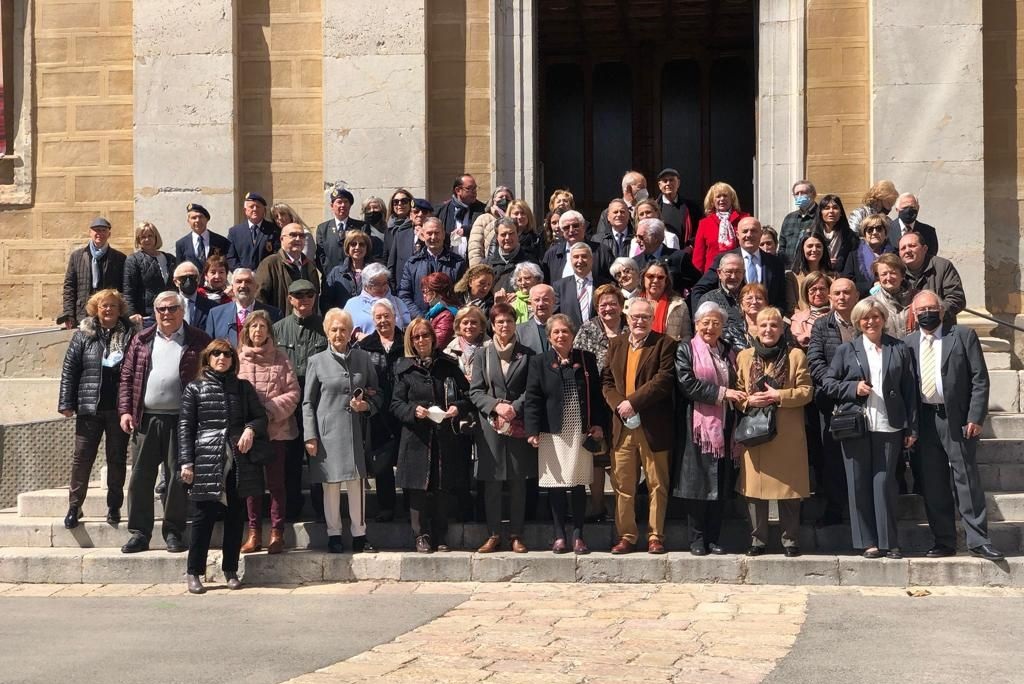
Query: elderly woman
481, 237
428, 400
814, 290
283, 214
753, 299
470, 334
341, 390
476, 288
773, 373
215, 280
565, 412
716, 232
860, 263
895, 295
627, 276
498, 390
345, 280
376, 286
671, 315
840, 239
705, 375
147, 273
221, 418
593, 337
375, 216
88, 390
879, 199
525, 276
649, 209
270, 372
385, 347
874, 374
441, 305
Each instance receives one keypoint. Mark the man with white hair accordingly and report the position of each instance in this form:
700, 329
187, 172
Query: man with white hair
159, 363
907, 208
556, 262
197, 307
575, 293
226, 320
533, 333
634, 191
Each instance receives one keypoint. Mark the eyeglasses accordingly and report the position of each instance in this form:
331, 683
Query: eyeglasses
167, 309
217, 353
928, 309
309, 294
468, 187
421, 336
640, 317
301, 236
653, 276
574, 224
731, 271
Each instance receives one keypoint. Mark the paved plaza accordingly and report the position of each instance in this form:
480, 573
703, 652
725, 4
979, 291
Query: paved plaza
507, 632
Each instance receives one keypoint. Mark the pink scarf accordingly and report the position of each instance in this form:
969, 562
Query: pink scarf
708, 419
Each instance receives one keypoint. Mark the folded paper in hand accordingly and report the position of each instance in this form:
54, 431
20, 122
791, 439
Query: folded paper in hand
436, 414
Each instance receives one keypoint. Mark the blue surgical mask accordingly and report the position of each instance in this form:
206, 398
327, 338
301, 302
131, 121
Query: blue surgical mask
801, 201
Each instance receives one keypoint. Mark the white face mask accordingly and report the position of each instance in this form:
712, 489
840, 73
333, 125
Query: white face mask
640, 195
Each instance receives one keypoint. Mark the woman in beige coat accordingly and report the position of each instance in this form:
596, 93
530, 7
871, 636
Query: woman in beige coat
773, 373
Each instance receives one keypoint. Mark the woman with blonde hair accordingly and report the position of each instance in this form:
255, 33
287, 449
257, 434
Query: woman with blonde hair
879, 199
482, 234
147, 273
716, 232
283, 214
476, 288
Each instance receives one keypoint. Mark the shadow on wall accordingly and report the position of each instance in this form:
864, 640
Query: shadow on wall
255, 118
447, 142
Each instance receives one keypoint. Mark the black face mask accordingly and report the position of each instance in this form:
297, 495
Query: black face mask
929, 320
188, 286
373, 217
908, 215
502, 203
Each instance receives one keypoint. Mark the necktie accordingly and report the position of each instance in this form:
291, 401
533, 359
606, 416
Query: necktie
242, 313
254, 231
928, 369
583, 297
201, 251
751, 270
97, 274
190, 312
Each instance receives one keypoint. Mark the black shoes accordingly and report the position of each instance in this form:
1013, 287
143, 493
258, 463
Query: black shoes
697, 549
113, 515
362, 545
988, 552
894, 554
232, 581
334, 544
385, 516
73, 516
715, 549
792, 551
136, 544
940, 551
174, 544
756, 551
423, 544
195, 585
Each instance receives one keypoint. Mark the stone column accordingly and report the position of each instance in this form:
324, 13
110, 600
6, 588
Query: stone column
780, 106
374, 95
184, 94
513, 93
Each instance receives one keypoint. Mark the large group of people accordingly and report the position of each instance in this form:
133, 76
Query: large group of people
482, 352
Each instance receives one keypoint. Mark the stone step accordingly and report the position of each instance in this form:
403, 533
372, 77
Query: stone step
95, 533
1000, 451
108, 566
1004, 426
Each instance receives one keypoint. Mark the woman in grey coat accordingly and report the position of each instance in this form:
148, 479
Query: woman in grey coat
341, 392
703, 467
503, 454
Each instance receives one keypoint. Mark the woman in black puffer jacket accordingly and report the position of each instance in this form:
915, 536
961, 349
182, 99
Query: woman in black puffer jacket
221, 416
88, 390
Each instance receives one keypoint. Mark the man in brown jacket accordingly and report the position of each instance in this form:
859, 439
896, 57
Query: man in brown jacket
637, 384
278, 271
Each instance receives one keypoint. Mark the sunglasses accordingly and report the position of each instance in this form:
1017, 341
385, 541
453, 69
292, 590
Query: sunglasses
217, 353
167, 309
421, 336
401, 200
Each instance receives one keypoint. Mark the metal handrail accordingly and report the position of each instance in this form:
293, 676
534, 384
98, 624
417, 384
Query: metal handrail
993, 319
40, 331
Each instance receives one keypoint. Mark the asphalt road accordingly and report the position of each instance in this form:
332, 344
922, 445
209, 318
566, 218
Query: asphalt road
933, 639
255, 639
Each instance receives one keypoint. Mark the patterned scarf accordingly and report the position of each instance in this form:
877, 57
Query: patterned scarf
708, 419
726, 231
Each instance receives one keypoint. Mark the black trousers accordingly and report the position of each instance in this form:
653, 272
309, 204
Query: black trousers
517, 505
384, 482
950, 480
156, 442
428, 513
833, 471
88, 432
561, 498
704, 517
206, 514
295, 458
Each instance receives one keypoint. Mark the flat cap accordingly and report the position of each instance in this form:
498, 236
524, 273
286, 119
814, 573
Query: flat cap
198, 208
255, 197
668, 172
100, 222
301, 285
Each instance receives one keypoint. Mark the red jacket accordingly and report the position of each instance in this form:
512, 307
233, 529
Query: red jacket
135, 368
705, 245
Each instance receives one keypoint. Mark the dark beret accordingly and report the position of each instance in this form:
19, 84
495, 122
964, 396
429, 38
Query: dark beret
342, 193
192, 206
255, 197
423, 205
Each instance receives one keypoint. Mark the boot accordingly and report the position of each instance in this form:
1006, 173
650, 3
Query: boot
254, 542
73, 516
276, 544
195, 585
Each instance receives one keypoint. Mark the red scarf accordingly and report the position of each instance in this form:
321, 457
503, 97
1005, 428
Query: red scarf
661, 313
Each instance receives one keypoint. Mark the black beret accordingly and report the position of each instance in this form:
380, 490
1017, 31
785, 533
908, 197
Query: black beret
192, 206
255, 197
342, 193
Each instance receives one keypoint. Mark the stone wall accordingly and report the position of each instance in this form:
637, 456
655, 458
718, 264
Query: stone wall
838, 91
83, 138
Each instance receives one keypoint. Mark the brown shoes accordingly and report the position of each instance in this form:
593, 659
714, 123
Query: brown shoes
559, 546
654, 545
254, 542
276, 544
579, 547
624, 546
492, 544
518, 546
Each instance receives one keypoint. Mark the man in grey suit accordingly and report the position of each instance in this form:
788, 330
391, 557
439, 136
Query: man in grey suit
532, 333
954, 401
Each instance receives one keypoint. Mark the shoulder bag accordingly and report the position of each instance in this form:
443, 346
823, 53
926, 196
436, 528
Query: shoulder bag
756, 425
849, 423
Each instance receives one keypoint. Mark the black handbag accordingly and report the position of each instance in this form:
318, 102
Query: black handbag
849, 423
756, 426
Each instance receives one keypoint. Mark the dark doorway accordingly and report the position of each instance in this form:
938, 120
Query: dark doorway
646, 84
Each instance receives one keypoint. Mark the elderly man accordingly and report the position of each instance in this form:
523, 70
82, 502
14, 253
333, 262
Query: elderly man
556, 263
575, 293
462, 208
505, 258
637, 383
727, 294
330, 235
676, 211
200, 243
827, 333
300, 335
160, 361
434, 258
197, 307
533, 332
407, 239
226, 320
798, 222
277, 272
758, 266
650, 243
255, 238
92, 268
907, 208
954, 388
634, 191
928, 272
620, 234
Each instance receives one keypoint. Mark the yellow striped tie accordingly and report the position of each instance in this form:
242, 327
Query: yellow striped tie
928, 369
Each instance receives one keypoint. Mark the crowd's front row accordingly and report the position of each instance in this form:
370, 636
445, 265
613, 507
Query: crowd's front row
397, 407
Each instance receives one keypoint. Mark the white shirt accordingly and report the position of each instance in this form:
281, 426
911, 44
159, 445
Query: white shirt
339, 225
567, 269
874, 411
206, 244
754, 258
937, 347
904, 228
